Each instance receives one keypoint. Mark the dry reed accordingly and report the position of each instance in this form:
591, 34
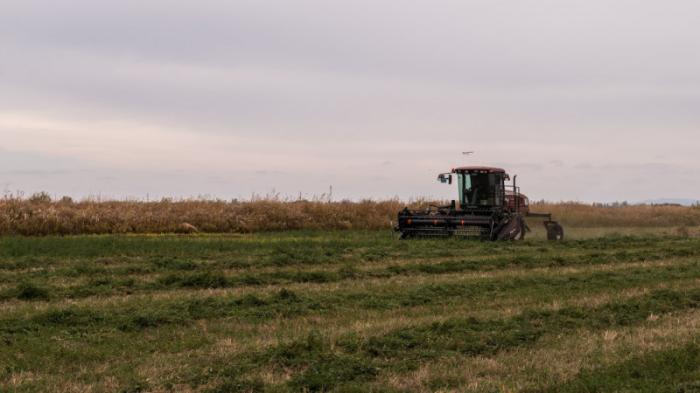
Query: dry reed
39, 215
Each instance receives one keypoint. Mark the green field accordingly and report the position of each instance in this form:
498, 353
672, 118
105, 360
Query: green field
350, 312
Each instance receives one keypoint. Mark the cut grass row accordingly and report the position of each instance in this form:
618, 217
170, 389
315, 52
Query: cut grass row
129, 317
289, 248
142, 313
166, 355
64, 350
316, 364
671, 370
183, 274
554, 360
110, 285
518, 257
392, 314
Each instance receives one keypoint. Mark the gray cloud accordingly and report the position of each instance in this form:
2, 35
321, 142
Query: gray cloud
319, 92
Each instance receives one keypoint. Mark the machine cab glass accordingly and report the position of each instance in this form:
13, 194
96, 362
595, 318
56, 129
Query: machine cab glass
480, 189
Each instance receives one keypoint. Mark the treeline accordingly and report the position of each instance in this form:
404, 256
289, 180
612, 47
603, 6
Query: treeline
40, 215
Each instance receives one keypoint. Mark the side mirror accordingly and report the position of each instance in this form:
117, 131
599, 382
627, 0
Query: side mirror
445, 178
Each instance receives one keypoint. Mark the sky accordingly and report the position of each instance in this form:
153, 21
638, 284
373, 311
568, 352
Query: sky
585, 100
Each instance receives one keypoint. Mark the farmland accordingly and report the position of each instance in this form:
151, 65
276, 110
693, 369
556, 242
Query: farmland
349, 311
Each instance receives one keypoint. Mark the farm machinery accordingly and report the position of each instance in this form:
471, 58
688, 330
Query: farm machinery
488, 208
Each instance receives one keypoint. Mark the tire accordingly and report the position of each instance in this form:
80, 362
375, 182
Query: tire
512, 230
555, 232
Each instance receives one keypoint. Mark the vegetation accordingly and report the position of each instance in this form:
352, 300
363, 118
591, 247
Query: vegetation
348, 311
40, 215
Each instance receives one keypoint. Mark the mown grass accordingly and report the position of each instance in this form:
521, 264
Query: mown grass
672, 370
324, 365
325, 311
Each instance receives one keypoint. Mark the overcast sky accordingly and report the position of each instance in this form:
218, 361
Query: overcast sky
585, 100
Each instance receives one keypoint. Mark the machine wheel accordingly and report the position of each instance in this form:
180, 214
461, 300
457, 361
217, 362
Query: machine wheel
554, 231
513, 229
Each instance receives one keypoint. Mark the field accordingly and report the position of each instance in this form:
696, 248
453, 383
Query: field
349, 311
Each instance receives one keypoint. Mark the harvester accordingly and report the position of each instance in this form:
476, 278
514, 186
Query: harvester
488, 208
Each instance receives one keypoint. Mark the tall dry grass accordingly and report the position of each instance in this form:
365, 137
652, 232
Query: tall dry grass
39, 215
648, 216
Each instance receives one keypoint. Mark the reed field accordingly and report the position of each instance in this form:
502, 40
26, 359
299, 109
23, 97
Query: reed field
350, 311
40, 215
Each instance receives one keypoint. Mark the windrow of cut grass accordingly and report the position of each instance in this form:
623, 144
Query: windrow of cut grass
83, 277
554, 360
310, 311
40, 215
143, 312
174, 356
317, 364
130, 345
115, 285
670, 370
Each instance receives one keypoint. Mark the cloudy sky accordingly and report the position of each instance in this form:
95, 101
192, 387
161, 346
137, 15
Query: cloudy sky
585, 100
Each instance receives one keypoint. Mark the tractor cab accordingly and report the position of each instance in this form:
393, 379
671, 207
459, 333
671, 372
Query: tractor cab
480, 187
485, 188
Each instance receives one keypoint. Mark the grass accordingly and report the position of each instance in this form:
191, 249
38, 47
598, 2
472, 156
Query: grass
348, 311
672, 370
